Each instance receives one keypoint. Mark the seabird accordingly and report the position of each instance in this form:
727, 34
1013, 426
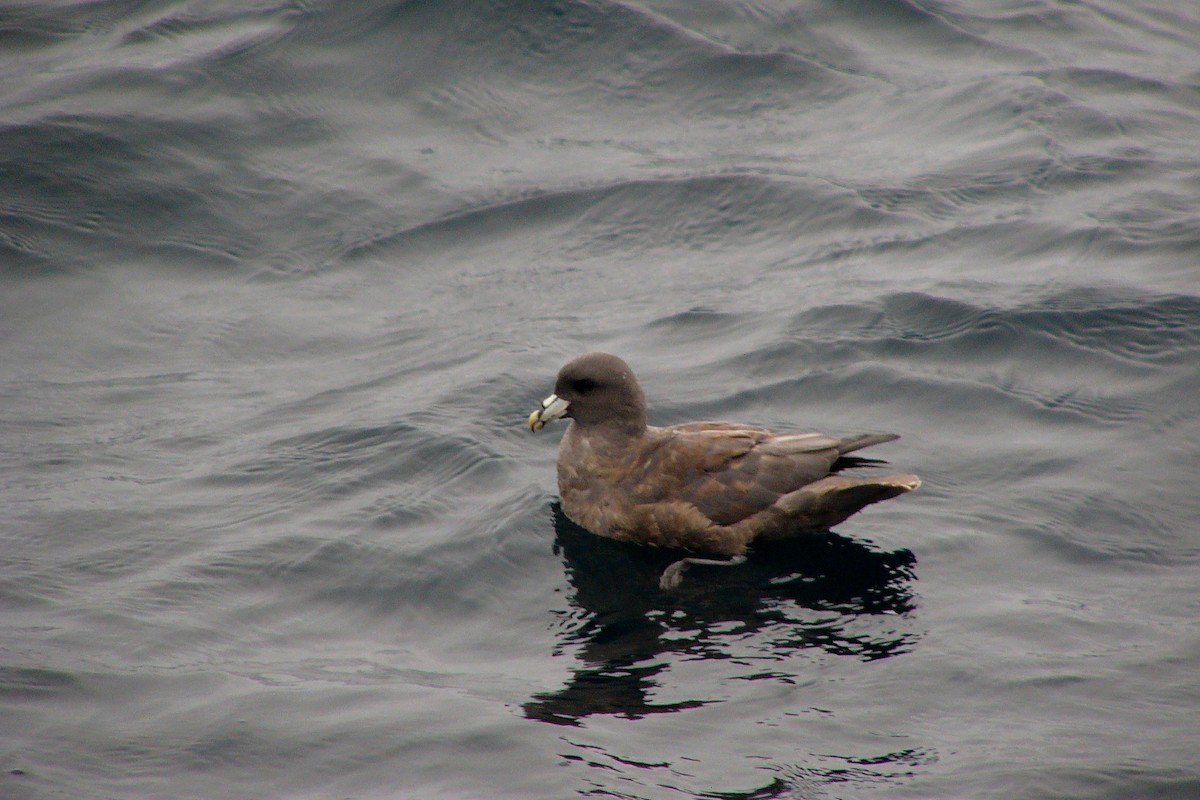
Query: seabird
706, 487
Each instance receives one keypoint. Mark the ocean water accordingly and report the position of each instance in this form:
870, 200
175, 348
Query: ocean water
280, 282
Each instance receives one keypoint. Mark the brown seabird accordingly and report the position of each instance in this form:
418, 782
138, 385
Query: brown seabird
708, 487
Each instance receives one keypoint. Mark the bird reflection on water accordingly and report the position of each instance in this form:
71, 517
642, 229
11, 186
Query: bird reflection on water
790, 596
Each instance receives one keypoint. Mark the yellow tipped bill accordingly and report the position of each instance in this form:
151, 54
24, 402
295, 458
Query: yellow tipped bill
553, 407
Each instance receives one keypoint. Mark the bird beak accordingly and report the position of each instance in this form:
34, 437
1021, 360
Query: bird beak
553, 407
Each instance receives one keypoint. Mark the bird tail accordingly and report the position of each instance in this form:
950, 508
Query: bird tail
851, 443
831, 500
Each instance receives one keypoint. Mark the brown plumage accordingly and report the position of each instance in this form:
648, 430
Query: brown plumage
710, 487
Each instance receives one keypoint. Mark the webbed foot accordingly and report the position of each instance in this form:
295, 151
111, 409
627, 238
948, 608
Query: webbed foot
673, 575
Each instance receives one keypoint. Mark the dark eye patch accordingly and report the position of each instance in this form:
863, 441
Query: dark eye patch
583, 385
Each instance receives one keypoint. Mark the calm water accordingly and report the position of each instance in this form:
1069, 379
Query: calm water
280, 282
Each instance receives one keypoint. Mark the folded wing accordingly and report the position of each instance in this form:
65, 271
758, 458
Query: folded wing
730, 473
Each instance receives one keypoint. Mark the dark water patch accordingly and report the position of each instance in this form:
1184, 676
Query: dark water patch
1006, 401
699, 323
1069, 172
372, 571
1005, 187
1082, 404
494, 545
1140, 30
851, 37
89, 545
217, 35
1114, 331
1152, 330
75, 183
1117, 781
631, 219
98, 36
1115, 82
665, 58
28, 683
1176, 417
31, 34
711, 211
821, 592
749, 83
472, 225
850, 378
343, 462
1166, 221
610, 55
33, 23
1102, 527
885, 769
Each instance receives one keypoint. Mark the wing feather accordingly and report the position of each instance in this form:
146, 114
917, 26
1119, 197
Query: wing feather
730, 472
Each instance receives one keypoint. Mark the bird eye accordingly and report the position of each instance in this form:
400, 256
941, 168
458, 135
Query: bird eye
584, 385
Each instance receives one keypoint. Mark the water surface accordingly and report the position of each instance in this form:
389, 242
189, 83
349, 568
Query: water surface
281, 282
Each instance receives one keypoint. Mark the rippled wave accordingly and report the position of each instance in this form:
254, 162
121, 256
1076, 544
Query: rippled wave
280, 282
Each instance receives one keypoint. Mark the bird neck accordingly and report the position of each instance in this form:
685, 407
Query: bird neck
615, 431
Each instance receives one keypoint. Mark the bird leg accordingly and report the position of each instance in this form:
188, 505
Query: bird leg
673, 575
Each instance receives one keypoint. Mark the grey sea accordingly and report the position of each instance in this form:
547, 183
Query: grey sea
280, 283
